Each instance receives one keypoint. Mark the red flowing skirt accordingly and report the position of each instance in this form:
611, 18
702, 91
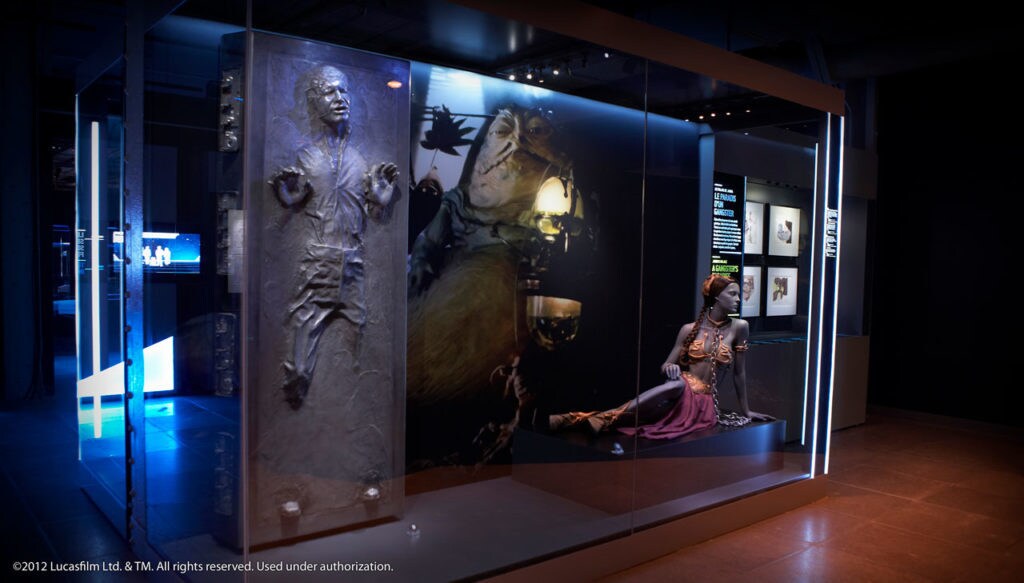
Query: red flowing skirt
692, 412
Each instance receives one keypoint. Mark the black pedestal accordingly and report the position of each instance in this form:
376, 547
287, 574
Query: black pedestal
600, 471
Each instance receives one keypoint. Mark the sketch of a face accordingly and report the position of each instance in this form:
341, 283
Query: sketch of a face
747, 227
785, 232
780, 289
748, 287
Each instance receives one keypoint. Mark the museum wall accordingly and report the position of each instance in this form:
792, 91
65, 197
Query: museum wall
18, 210
947, 210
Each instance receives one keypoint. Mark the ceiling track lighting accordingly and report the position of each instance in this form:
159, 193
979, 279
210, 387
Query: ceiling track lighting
559, 69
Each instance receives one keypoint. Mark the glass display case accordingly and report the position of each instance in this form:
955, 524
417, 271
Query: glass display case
98, 288
443, 308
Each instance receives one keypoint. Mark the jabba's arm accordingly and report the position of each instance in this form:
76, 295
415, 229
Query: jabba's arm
428, 250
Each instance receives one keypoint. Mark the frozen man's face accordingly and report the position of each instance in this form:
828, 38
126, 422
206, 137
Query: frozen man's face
329, 97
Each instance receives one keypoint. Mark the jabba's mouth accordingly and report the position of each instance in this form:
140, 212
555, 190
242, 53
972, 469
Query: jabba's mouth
510, 150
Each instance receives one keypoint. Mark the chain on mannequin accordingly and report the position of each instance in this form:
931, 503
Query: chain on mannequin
688, 400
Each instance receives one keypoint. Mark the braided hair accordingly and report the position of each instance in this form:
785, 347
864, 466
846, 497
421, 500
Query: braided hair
684, 355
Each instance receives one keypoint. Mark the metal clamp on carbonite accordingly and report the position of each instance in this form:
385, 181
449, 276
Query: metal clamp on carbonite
230, 110
371, 490
290, 509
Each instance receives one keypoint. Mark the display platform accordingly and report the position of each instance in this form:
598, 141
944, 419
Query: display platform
598, 471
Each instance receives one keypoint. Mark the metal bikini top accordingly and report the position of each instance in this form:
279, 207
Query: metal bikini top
721, 352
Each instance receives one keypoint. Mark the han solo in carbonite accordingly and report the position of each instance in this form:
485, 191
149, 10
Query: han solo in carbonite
336, 191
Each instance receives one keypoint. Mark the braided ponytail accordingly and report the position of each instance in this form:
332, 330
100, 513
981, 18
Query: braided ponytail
684, 355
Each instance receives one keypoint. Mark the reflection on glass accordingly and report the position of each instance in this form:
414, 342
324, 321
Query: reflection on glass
100, 383
190, 248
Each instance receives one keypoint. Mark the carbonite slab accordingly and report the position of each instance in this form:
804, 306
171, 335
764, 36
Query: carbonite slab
325, 304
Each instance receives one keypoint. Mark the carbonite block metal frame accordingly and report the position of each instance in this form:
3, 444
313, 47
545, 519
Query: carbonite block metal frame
325, 301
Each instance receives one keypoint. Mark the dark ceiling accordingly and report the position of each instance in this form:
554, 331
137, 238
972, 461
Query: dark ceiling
827, 42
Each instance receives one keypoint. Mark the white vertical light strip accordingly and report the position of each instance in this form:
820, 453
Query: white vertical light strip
821, 302
807, 358
78, 265
94, 265
835, 297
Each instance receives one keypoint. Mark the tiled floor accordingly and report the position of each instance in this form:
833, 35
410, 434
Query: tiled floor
911, 498
45, 515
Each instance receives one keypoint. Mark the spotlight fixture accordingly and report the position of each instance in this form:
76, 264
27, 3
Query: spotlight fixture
529, 74
541, 80
700, 116
607, 54
555, 71
748, 111
728, 113
713, 114
511, 76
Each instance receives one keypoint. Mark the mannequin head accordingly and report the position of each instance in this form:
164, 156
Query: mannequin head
714, 285
728, 300
721, 291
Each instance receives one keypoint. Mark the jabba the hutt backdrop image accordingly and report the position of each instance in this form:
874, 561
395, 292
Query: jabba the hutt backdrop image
537, 225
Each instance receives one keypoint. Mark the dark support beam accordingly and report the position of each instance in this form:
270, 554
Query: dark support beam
623, 34
132, 221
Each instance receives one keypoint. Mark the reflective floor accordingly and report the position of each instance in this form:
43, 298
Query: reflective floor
911, 498
45, 514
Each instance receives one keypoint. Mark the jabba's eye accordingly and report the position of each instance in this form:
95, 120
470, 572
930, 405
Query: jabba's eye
501, 130
539, 127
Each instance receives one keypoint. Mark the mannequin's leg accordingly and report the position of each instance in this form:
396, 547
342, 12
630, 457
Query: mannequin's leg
648, 407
